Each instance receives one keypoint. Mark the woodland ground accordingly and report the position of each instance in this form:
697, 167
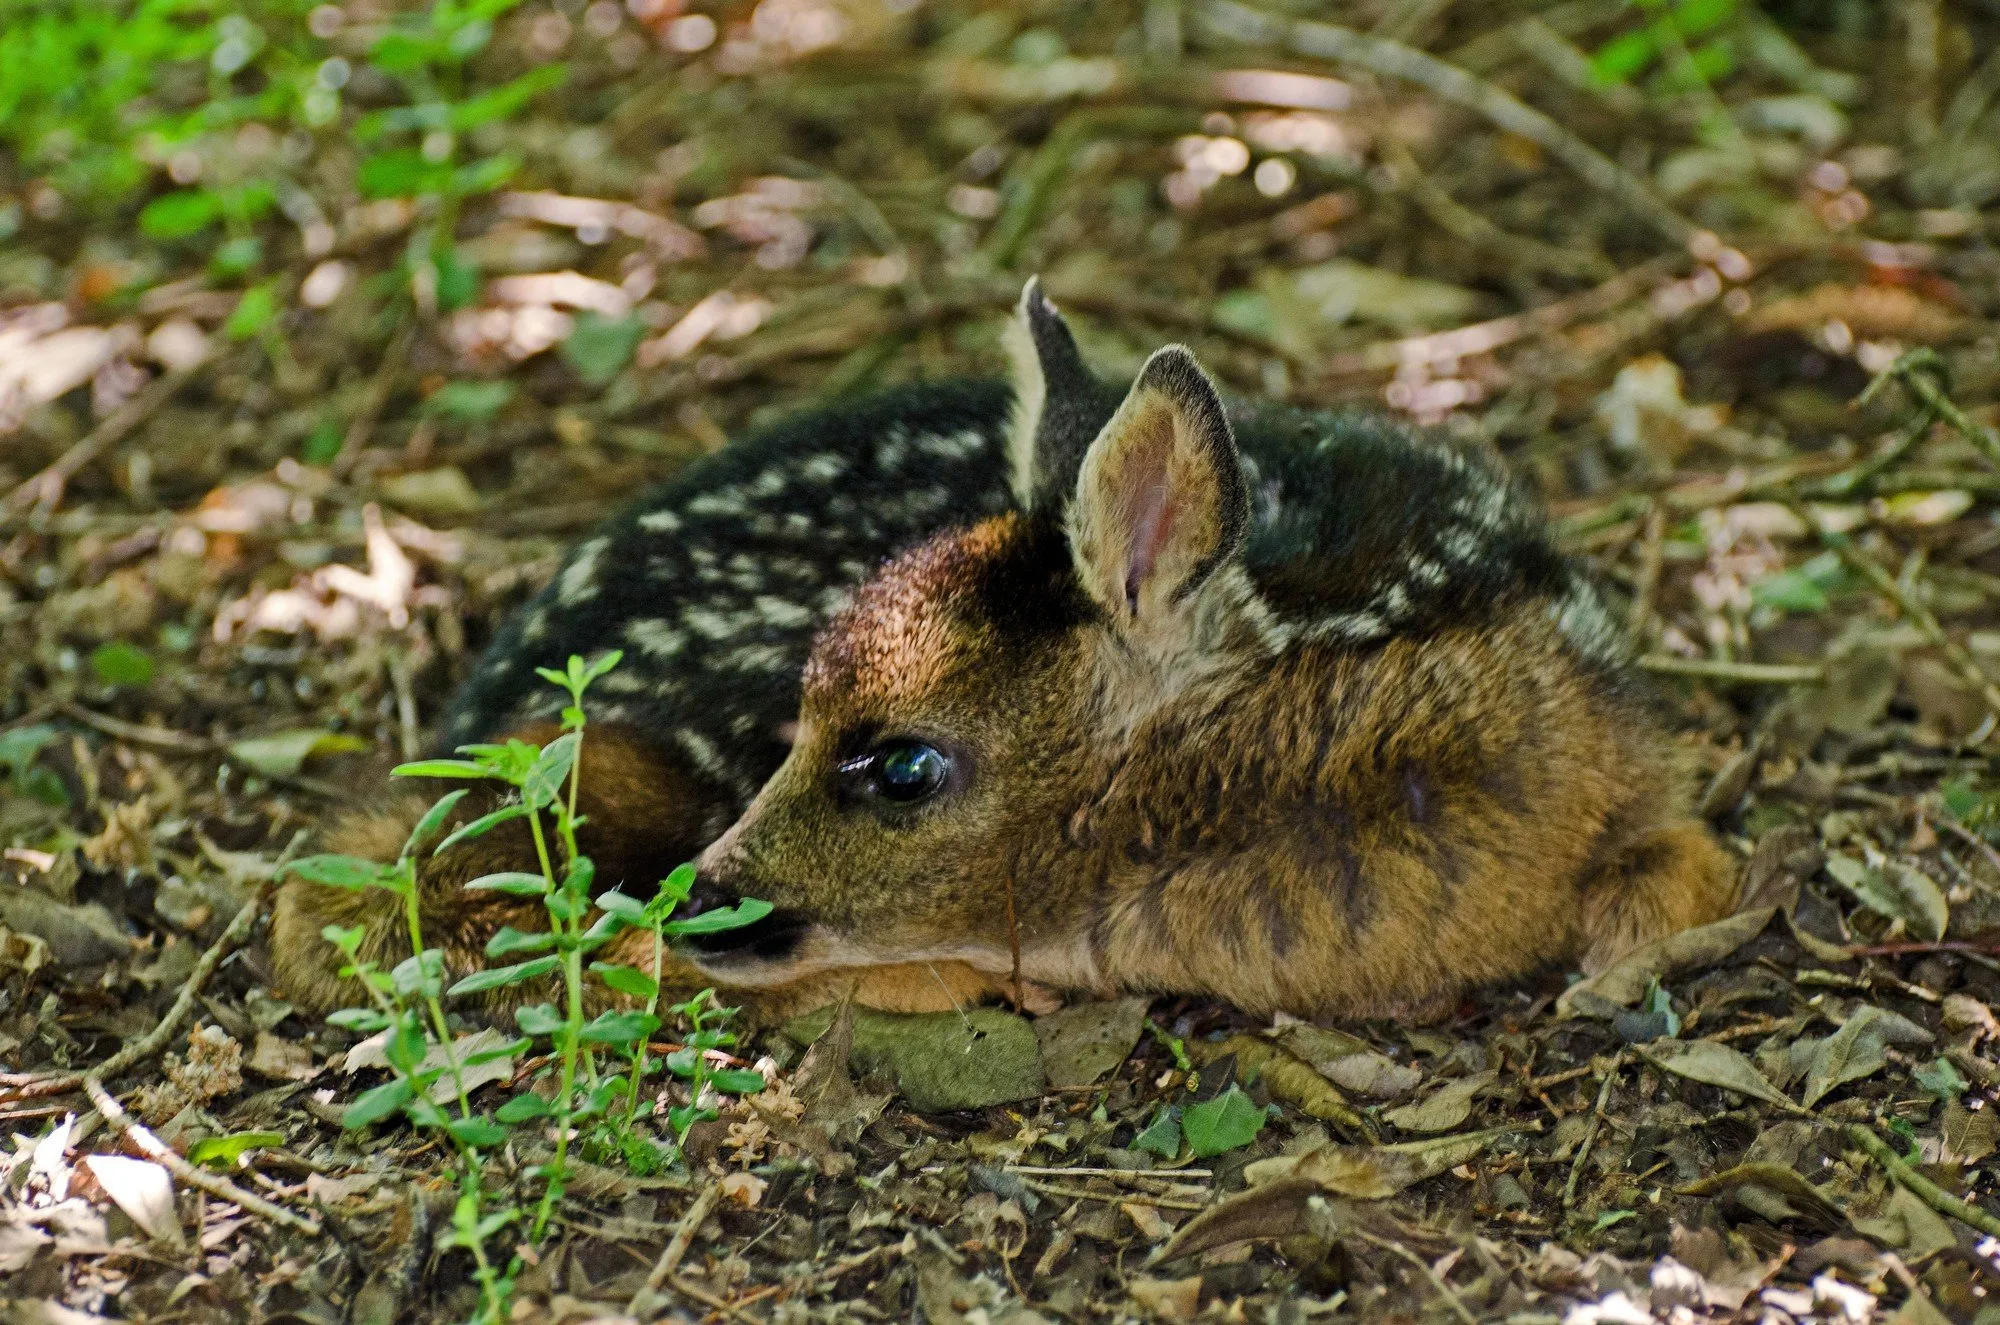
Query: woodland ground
285, 446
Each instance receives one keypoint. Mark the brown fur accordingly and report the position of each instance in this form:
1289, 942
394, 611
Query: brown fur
645, 817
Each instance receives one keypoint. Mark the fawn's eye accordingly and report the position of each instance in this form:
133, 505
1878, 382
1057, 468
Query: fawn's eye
901, 772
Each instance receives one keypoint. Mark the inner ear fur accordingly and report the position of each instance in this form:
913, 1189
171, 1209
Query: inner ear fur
1160, 502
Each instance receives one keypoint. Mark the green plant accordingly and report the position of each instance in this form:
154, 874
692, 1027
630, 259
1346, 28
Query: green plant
19, 750
406, 1003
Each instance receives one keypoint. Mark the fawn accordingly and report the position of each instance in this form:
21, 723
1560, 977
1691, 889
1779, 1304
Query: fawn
1092, 688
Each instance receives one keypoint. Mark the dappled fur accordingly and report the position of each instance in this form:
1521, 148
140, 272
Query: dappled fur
1301, 710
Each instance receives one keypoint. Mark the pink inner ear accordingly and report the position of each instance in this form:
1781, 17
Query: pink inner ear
1152, 522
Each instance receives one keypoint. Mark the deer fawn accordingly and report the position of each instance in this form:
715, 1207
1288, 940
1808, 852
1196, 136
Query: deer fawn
1154, 692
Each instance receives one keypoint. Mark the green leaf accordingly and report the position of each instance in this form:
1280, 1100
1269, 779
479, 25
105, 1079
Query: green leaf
674, 889
121, 664
476, 1132
599, 347
433, 820
501, 977
256, 310
349, 872
737, 1081
282, 754
224, 1151
505, 101
372, 1106
539, 1019
626, 980
746, 912
402, 173
348, 939
620, 1028
519, 883
469, 402
1939, 1078
544, 781
1162, 1136
483, 176
1227, 1122
524, 1107
439, 768
510, 1049
1791, 590
485, 823
508, 939
180, 214
362, 1021
627, 908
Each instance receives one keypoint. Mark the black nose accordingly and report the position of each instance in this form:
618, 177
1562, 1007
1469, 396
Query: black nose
772, 937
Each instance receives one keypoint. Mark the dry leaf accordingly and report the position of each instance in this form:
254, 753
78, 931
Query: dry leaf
1806, 1200
1713, 1064
1849, 1054
745, 1189
1291, 1080
144, 1191
1626, 981
1167, 1299
281, 1059
1147, 1220
1444, 1108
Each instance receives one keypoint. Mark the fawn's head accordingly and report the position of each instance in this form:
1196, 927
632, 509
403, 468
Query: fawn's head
966, 716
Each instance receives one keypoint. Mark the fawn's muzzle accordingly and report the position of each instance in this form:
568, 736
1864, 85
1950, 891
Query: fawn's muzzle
772, 938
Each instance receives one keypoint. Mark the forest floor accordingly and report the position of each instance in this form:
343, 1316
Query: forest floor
281, 449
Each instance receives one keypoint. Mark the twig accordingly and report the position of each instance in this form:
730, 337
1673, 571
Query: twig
1475, 230
1114, 1198
1117, 1175
159, 738
44, 491
1444, 1290
1392, 59
1611, 1072
1914, 612
1051, 162
676, 1249
1922, 374
160, 1152
1713, 669
1652, 554
1485, 337
1932, 1195
156, 1039
394, 361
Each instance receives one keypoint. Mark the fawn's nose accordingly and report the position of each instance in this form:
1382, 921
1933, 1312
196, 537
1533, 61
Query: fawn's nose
772, 937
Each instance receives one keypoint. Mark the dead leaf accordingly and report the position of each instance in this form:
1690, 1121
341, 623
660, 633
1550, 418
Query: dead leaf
77, 934
1713, 1064
1167, 1299
1147, 1220
942, 1061
744, 1189
281, 1059
1291, 1080
1444, 1108
1805, 1200
1962, 1012
1969, 1136
1854, 1051
1909, 1226
1625, 981
1082, 1043
144, 1191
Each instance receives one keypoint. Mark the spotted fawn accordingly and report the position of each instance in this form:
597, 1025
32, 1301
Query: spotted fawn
1087, 687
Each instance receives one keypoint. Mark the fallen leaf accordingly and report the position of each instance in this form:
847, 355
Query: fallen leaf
1167, 1299
281, 1059
1713, 1064
744, 1189
1227, 1122
1627, 979
1444, 1108
1147, 1220
1969, 1136
442, 491
77, 934
1854, 1051
144, 1191
1291, 1080
1806, 1200
282, 754
1909, 1226
941, 1061
1082, 1043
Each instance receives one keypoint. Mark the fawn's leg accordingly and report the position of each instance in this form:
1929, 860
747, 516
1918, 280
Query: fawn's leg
1661, 882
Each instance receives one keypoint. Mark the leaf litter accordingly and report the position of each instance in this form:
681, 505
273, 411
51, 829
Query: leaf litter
289, 517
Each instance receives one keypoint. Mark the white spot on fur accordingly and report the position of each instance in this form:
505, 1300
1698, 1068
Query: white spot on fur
722, 501
578, 581
536, 626
660, 522
823, 468
654, 638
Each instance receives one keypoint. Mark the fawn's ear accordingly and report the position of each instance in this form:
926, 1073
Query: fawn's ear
1058, 404
1160, 502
